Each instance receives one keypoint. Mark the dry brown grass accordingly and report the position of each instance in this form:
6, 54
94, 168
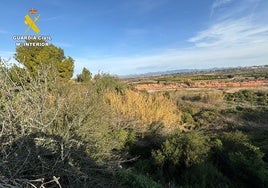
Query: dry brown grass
142, 109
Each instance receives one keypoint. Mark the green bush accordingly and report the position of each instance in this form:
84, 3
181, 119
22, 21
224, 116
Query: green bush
241, 161
132, 180
208, 117
248, 96
106, 82
187, 118
204, 175
180, 151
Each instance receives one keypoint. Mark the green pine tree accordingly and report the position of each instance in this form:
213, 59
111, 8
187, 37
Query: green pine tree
35, 58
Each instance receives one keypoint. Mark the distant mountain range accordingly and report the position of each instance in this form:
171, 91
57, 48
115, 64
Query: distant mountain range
161, 73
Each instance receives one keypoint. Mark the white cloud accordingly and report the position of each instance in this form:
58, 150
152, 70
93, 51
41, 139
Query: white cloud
219, 3
216, 4
193, 58
236, 37
231, 33
233, 9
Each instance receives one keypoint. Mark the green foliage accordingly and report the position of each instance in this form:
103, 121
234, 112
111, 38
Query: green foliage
205, 175
257, 115
241, 161
208, 118
143, 145
147, 166
85, 76
131, 180
106, 82
259, 138
207, 97
36, 58
187, 118
16, 73
248, 96
181, 151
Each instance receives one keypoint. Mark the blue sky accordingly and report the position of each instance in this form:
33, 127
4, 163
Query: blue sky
139, 36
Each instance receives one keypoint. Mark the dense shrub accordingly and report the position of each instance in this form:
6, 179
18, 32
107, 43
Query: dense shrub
241, 161
180, 151
248, 96
132, 180
55, 129
205, 175
106, 82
